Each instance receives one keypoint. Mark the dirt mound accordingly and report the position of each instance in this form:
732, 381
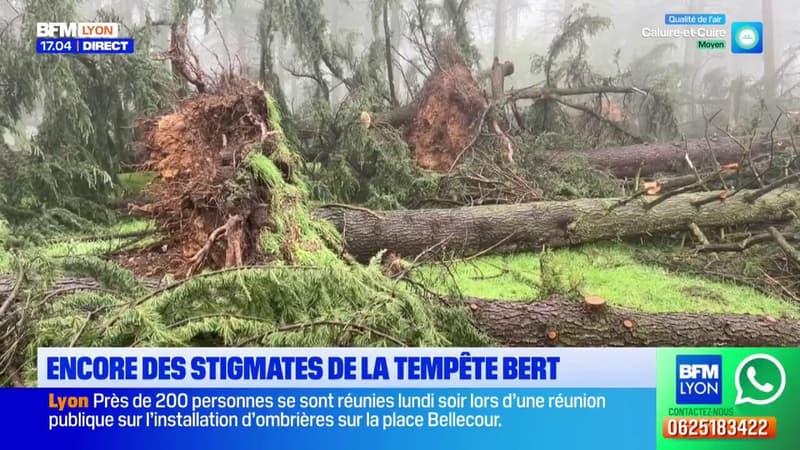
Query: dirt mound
448, 114
210, 212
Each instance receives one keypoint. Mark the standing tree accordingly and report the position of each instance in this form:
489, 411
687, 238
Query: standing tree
83, 107
499, 26
769, 53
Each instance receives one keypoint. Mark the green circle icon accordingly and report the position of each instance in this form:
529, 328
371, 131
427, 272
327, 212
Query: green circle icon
747, 37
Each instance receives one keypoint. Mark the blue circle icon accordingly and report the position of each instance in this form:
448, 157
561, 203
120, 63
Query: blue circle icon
747, 37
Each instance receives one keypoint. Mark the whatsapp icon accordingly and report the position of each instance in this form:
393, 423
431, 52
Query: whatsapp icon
760, 380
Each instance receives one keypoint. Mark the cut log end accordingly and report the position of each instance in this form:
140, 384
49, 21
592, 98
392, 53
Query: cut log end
652, 187
594, 302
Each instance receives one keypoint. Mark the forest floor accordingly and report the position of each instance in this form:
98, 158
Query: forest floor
609, 270
78, 245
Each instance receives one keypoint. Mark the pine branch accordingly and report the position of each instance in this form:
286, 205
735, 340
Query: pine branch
780, 183
13, 294
301, 326
791, 252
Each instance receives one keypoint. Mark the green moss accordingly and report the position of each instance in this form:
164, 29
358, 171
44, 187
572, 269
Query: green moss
71, 245
132, 183
294, 232
283, 154
265, 169
132, 226
609, 271
82, 248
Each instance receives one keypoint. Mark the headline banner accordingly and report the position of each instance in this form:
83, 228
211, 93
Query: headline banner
352, 398
345, 367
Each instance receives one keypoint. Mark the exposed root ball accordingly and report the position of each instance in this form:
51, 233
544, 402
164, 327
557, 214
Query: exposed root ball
448, 116
209, 209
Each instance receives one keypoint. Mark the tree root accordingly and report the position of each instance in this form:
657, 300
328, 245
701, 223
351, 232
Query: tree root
233, 234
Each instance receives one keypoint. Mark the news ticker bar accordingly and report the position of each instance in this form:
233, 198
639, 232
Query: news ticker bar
85, 45
351, 419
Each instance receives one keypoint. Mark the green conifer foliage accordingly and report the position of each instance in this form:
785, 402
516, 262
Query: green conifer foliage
318, 299
83, 107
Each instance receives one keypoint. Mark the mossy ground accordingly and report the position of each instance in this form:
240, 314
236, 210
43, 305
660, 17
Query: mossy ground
610, 271
72, 246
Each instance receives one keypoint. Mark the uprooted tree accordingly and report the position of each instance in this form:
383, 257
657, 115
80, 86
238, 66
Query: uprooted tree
227, 194
212, 214
220, 156
451, 111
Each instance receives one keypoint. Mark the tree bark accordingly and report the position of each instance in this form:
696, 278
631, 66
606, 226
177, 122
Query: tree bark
499, 73
735, 102
387, 38
650, 159
529, 227
570, 323
395, 117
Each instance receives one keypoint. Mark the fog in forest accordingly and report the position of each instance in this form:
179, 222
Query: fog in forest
231, 34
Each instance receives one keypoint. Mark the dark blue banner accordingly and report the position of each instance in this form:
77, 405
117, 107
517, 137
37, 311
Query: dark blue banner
85, 45
361, 418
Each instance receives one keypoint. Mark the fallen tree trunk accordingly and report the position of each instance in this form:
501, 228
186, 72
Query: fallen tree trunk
451, 108
566, 322
499, 228
395, 117
650, 159
570, 323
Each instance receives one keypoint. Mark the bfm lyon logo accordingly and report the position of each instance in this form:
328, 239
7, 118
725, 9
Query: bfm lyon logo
698, 380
